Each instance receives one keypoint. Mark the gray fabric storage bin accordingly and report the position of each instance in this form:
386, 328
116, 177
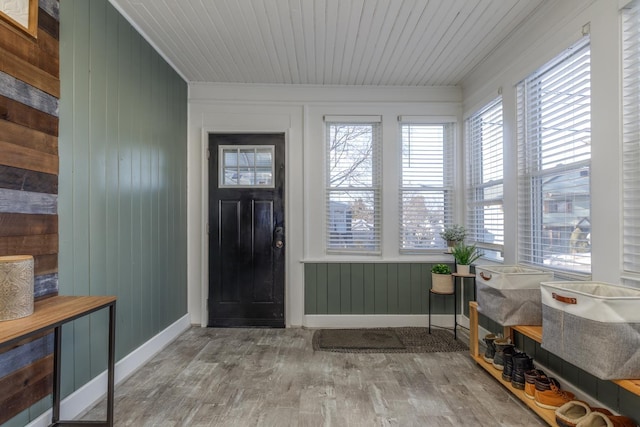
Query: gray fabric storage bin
593, 325
510, 294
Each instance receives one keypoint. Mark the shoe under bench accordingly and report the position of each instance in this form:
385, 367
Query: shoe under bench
535, 333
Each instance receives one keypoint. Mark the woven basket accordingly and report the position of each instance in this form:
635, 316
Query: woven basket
16, 286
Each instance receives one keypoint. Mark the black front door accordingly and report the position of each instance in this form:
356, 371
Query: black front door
246, 230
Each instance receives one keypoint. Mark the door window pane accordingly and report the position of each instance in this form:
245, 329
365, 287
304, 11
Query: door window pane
246, 166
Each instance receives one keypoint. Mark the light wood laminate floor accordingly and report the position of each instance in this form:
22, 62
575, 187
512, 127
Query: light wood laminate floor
272, 377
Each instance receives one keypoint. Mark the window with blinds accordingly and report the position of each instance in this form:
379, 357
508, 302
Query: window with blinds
353, 219
426, 185
631, 140
554, 156
484, 150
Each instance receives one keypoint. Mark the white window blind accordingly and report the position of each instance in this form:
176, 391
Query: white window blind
353, 219
631, 139
484, 149
426, 185
554, 156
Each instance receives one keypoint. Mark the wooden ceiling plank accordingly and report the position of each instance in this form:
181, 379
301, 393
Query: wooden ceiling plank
444, 14
309, 33
356, 52
285, 37
384, 18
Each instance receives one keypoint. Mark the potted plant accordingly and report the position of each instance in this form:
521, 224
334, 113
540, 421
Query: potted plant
441, 279
464, 255
453, 235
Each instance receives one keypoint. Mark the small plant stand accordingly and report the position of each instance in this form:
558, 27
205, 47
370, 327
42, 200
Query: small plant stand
455, 309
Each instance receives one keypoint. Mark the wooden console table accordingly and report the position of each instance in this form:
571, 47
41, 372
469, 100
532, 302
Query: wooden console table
52, 313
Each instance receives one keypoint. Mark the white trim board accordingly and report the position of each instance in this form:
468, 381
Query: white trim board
89, 394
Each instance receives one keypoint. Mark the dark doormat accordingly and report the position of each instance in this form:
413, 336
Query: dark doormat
386, 340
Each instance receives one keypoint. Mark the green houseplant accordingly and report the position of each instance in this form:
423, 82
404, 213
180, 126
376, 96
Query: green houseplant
464, 255
453, 235
441, 279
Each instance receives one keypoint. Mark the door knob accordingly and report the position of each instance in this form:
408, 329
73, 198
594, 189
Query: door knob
278, 237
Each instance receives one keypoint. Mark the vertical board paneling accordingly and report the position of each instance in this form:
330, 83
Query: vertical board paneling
369, 289
345, 289
97, 184
333, 289
81, 195
135, 221
404, 288
357, 288
310, 288
124, 141
392, 288
380, 288
321, 289
416, 289
123, 131
66, 221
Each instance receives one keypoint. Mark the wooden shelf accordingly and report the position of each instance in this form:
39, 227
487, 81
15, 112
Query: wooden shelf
548, 415
51, 314
535, 333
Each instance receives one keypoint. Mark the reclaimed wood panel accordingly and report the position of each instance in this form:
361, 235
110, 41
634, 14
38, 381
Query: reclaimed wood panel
48, 24
45, 264
42, 244
29, 92
39, 54
26, 387
31, 74
51, 7
27, 180
24, 353
18, 134
12, 224
16, 201
45, 286
28, 95
26, 115
28, 158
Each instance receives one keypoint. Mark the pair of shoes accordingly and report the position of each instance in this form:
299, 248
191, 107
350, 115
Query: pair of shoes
574, 412
599, 419
521, 363
498, 359
530, 382
508, 354
490, 353
548, 394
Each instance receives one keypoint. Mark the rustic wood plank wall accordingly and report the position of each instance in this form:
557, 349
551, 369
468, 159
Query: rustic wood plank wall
29, 93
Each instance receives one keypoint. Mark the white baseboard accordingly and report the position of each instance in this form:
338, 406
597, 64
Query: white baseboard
375, 320
86, 396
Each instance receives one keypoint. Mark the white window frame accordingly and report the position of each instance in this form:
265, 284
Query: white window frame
366, 240
543, 159
631, 144
436, 215
238, 148
485, 179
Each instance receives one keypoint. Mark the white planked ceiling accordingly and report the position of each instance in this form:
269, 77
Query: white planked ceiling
327, 42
